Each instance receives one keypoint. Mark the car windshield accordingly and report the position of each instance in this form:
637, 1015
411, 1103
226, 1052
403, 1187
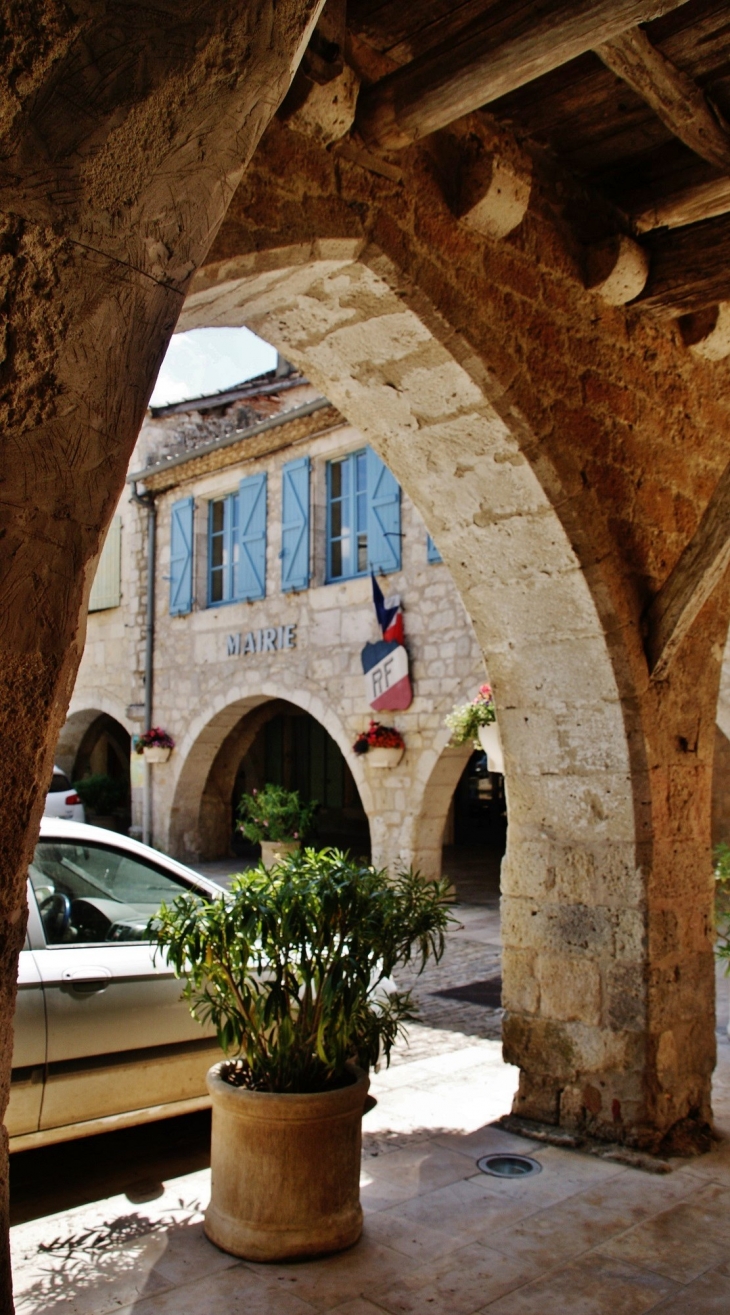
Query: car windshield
92, 893
58, 783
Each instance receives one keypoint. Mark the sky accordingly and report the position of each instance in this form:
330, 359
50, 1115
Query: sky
204, 361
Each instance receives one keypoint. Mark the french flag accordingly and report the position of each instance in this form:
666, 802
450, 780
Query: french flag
389, 612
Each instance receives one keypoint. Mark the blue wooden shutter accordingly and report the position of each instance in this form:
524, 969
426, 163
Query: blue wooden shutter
432, 552
383, 516
252, 537
181, 557
295, 525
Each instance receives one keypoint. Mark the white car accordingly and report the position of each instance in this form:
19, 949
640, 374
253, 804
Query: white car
102, 1036
62, 800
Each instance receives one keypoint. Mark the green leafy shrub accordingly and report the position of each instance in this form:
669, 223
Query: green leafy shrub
292, 966
100, 793
466, 718
274, 814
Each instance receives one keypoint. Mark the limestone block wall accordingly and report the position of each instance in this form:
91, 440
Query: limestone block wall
206, 695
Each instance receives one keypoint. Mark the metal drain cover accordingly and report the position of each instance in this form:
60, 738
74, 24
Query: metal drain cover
509, 1166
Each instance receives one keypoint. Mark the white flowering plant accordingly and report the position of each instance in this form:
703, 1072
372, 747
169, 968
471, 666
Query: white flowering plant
466, 718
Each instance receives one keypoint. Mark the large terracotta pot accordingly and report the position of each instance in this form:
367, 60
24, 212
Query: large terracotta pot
491, 742
285, 1170
272, 851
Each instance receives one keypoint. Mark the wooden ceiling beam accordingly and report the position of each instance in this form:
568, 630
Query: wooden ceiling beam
689, 206
689, 268
699, 570
677, 100
505, 48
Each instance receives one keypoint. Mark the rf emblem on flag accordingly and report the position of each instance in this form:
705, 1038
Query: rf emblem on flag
386, 676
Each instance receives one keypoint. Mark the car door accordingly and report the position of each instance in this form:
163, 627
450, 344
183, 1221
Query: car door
29, 1041
119, 1036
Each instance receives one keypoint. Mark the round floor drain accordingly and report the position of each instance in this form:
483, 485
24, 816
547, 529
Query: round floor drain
509, 1166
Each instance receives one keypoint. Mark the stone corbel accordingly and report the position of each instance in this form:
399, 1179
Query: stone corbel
616, 269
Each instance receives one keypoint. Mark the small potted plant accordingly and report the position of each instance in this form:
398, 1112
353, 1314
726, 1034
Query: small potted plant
293, 968
156, 745
477, 721
384, 745
101, 795
276, 819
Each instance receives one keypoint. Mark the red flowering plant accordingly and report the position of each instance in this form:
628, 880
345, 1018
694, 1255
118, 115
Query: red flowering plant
154, 738
378, 736
466, 718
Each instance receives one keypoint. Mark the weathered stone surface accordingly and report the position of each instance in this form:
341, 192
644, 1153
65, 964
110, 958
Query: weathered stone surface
97, 251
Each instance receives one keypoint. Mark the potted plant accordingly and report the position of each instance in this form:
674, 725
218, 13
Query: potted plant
156, 745
276, 819
100, 794
293, 969
384, 745
477, 721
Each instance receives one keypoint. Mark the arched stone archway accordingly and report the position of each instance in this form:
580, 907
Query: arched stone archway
80, 724
426, 406
437, 793
471, 374
211, 750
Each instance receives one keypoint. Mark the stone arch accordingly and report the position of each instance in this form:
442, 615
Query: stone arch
571, 874
435, 796
80, 724
217, 739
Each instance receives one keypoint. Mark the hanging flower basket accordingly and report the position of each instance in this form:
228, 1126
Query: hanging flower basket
155, 753
383, 757
384, 745
491, 742
156, 745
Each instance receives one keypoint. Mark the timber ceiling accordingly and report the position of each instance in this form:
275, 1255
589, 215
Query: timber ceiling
632, 97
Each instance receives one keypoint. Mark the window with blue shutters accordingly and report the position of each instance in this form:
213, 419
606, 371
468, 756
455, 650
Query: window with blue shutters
432, 552
223, 549
181, 557
251, 575
295, 525
363, 517
383, 517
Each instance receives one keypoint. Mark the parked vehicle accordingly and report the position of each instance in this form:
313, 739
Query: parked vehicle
62, 800
103, 1038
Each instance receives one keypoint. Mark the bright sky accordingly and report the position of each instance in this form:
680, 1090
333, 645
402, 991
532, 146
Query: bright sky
204, 361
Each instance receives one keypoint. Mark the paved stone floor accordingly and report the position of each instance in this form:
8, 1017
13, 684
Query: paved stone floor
584, 1237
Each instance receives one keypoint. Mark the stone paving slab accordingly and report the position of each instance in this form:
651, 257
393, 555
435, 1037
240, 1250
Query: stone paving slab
584, 1237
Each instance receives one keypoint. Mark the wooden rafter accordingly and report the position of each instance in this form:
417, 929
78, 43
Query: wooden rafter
503, 49
699, 570
689, 268
675, 98
690, 206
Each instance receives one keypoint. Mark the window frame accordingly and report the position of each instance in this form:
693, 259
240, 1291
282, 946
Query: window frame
229, 537
349, 463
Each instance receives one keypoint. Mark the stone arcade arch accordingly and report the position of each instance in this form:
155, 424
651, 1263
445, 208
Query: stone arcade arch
80, 725
573, 885
209, 754
438, 781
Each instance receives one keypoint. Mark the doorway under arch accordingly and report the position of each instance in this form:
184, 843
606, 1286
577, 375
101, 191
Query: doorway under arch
95, 743
293, 749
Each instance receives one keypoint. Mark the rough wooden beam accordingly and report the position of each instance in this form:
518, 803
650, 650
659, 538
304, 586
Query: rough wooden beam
673, 96
689, 268
503, 49
690, 206
697, 573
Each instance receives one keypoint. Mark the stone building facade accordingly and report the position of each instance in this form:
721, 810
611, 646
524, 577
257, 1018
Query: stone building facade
223, 670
